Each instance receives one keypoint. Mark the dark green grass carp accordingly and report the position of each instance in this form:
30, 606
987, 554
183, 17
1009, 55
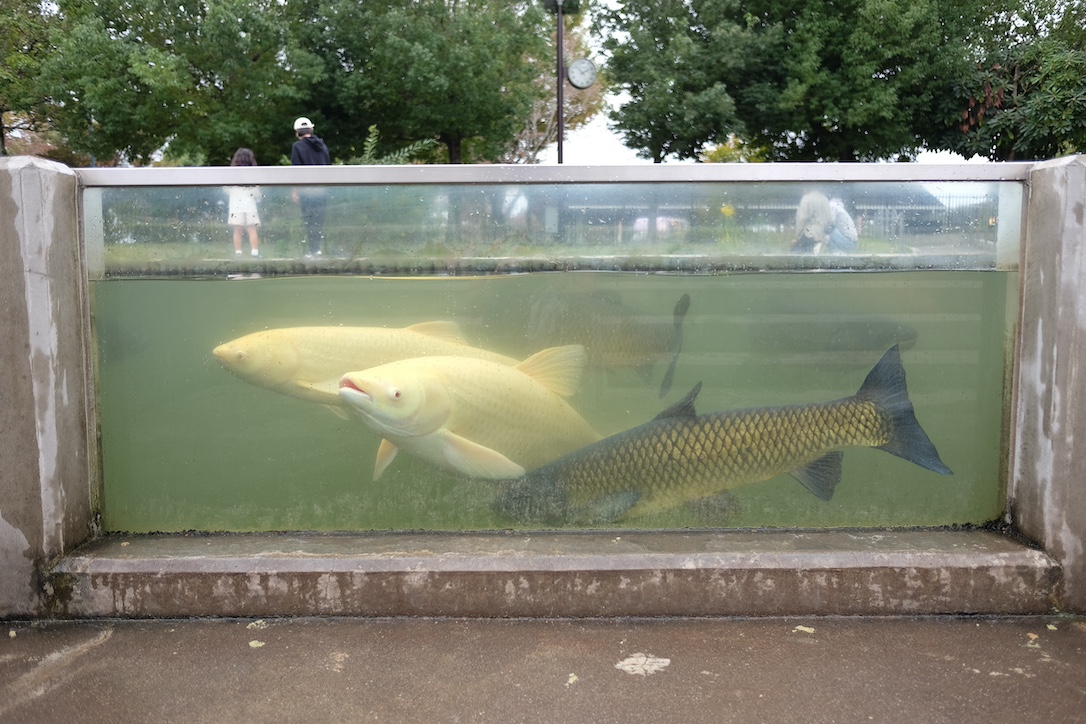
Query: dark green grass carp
681, 456
615, 337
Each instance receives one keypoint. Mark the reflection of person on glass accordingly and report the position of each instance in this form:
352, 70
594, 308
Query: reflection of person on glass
242, 212
823, 225
309, 150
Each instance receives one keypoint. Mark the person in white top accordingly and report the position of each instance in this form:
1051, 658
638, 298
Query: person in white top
824, 225
243, 212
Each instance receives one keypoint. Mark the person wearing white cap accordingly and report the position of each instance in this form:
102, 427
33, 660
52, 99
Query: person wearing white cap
309, 150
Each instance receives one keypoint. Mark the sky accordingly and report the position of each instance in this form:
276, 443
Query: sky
593, 145
596, 145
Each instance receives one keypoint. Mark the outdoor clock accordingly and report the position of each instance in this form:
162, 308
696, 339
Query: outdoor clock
581, 73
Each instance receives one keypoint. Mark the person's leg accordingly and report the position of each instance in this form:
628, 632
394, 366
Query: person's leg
319, 207
309, 220
237, 239
254, 240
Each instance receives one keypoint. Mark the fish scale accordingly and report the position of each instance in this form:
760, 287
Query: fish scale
681, 456
740, 446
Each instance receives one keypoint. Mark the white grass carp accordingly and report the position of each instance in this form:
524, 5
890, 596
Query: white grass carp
472, 416
307, 362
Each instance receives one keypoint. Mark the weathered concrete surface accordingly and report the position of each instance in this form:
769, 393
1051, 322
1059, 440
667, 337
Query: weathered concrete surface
812, 670
1047, 492
546, 575
44, 492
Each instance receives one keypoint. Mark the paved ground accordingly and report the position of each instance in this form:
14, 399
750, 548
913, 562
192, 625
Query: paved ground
425, 670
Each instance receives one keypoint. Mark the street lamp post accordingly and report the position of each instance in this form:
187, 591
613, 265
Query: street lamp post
556, 7
561, 82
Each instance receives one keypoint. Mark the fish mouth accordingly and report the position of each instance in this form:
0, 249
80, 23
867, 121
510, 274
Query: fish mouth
346, 383
352, 393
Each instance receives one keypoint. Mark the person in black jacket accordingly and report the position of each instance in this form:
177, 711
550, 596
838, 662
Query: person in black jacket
309, 150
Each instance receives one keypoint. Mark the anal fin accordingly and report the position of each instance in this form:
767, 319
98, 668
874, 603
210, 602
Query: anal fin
821, 476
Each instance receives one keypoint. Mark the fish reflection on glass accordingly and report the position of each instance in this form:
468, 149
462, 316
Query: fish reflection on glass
839, 336
615, 336
472, 416
307, 362
680, 456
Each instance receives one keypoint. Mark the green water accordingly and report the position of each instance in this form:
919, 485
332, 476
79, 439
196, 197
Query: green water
185, 445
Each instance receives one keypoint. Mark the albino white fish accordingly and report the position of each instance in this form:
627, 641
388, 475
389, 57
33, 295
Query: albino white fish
473, 416
307, 362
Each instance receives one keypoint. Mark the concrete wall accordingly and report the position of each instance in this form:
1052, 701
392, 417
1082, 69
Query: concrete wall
47, 483
1048, 480
45, 495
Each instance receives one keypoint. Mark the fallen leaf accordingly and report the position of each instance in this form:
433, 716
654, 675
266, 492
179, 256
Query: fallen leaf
643, 664
1051, 627
571, 680
804, 629
258, 624
254, 644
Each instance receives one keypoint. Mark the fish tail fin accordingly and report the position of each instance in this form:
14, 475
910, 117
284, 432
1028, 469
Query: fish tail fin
676, 343
885, 385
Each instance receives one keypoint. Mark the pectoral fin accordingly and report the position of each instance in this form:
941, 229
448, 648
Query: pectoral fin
822, 475
477, 461
386, 453
326, 391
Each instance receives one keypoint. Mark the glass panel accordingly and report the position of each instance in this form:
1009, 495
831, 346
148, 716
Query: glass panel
257, 436
528, 227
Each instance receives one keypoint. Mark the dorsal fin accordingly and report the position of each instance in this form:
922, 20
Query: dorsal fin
558, 369
684, 407
448, 331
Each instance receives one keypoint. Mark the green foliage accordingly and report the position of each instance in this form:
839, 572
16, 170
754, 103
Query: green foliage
852, 80
1026, 98
130, 76
178, 82
369, 155
673, 62
735, 150
23, 46
461, 71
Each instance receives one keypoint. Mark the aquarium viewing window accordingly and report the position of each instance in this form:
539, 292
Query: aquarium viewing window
490, 348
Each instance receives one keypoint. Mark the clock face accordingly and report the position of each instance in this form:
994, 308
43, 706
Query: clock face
581, 73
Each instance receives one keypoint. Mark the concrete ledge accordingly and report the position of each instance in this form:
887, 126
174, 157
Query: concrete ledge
751, 573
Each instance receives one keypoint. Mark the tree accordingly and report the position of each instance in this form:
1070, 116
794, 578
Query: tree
540, 129
664, 56
851, 80
1026, 96
461, 71
130, 76
23, 46
734, 150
